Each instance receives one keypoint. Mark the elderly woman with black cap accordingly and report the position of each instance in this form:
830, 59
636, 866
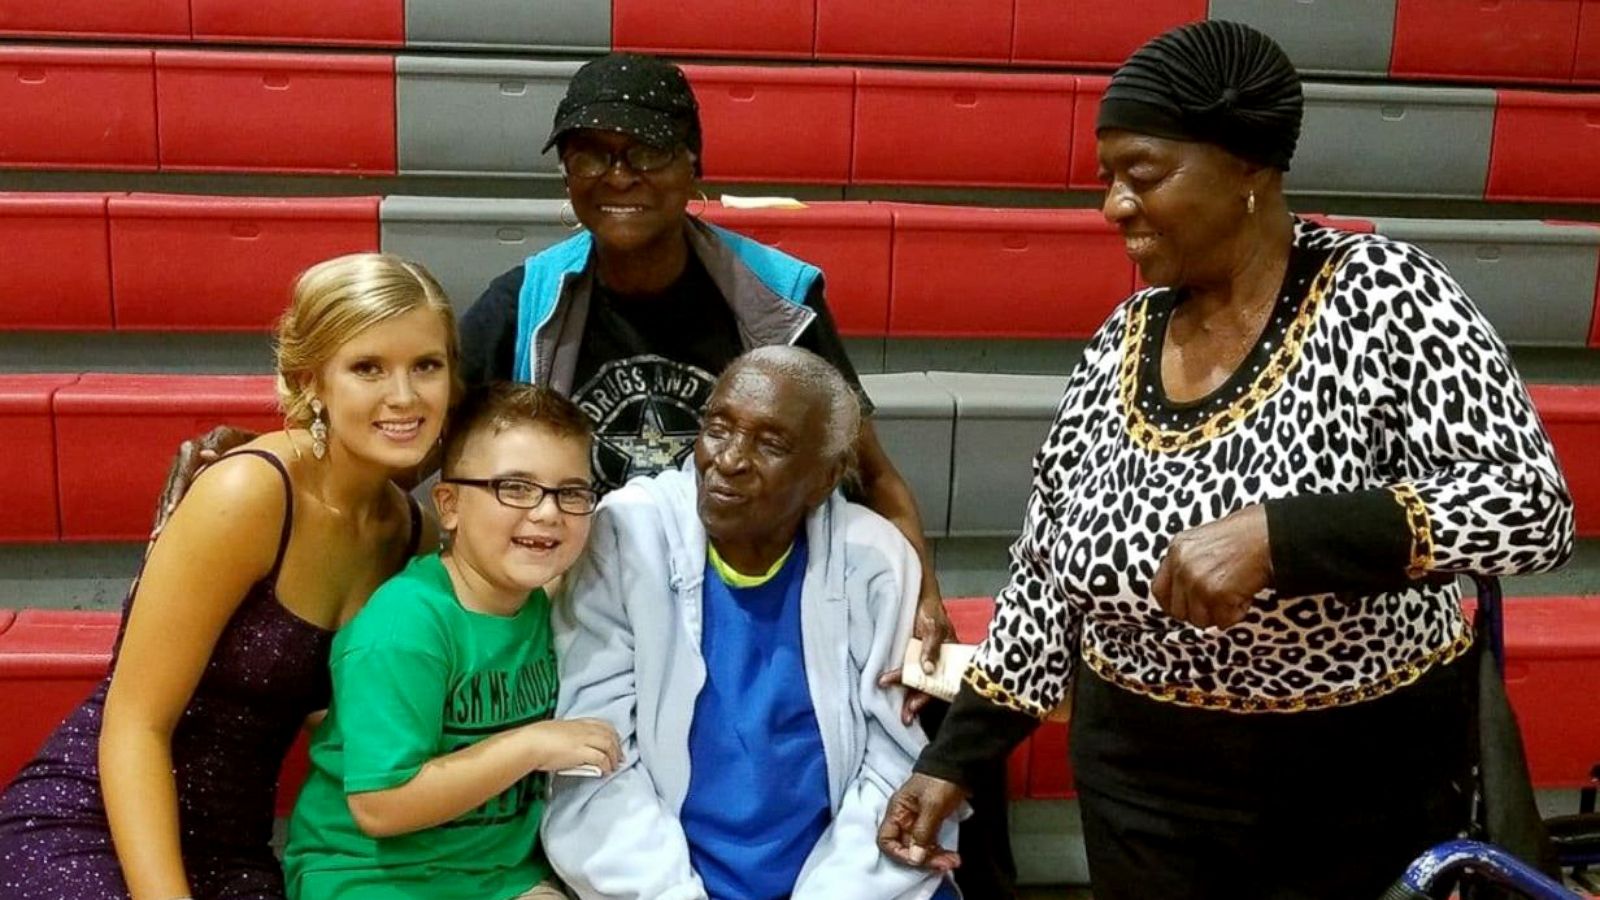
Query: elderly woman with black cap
1245, 525
636, 315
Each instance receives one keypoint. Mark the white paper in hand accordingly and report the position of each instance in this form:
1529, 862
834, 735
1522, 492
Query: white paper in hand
583, 771
945, 680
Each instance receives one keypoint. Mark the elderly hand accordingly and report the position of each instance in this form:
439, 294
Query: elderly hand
194, 455
1212, 574
931, 626
910, 830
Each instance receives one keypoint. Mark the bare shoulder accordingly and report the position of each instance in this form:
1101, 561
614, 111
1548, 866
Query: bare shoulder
241, 490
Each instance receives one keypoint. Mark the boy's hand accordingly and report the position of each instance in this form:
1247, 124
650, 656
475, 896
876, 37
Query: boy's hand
569, 743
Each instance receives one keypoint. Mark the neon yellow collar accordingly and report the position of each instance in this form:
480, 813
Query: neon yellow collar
734, 578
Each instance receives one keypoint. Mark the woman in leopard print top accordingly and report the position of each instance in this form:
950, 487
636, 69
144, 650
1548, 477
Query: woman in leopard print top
1246, 522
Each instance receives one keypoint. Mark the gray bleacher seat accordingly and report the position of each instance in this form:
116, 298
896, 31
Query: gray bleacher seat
464, 116
1332, 37
559, 25
1395, 141
466, 242
1000, 422
915, 421
1534, 280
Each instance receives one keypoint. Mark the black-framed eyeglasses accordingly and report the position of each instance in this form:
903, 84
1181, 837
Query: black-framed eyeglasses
520, 493
593, 162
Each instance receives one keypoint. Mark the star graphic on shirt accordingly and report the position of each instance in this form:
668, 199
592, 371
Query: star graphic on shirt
655, 447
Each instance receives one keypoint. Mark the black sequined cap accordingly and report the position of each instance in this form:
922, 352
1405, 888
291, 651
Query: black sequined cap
643, 96
1215, 81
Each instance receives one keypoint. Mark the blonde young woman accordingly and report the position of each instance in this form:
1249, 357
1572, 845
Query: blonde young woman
161, 784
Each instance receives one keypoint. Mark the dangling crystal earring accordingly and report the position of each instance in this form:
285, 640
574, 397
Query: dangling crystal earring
319, 430
1250, 203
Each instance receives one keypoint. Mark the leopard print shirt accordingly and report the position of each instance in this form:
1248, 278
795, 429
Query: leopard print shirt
1376, 371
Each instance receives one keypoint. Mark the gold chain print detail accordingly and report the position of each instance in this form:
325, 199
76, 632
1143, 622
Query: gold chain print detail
1420, 527
1399, 678
1154, 438
989, 689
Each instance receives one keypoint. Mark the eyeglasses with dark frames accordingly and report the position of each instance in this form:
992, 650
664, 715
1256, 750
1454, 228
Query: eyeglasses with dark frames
520, 493
593, 162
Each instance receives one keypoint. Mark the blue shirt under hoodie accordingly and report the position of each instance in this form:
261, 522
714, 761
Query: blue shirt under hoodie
758, 784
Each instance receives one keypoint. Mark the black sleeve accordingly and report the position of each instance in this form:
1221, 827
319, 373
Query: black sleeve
975, 736
1358, 541
822, 338
489, 332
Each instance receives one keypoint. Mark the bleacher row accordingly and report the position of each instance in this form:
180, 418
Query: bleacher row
377, 114
95, 261
89, 452
1521, 40
51, 659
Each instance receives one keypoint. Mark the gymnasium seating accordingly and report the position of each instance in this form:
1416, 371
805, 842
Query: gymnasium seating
1540, 41
394, 105
377, 114
966, 441
97, 262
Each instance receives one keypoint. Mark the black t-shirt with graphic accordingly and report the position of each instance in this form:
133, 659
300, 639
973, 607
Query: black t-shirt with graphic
646, 364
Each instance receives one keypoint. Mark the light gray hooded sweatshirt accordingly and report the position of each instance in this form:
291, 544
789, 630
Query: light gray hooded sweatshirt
628, 641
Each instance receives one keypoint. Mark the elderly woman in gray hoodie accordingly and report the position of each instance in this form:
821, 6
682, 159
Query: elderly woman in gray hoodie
731, 623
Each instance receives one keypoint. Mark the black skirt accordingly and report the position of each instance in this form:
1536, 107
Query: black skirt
1180, 802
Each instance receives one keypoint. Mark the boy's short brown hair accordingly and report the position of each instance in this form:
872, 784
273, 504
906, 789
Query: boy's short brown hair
501, 405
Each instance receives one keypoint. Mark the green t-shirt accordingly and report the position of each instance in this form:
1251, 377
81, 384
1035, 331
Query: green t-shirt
416, 676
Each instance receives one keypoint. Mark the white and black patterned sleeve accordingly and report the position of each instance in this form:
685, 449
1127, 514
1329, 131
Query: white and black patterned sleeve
1472, 481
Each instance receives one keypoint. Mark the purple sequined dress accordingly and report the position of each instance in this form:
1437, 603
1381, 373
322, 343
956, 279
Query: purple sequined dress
269, 671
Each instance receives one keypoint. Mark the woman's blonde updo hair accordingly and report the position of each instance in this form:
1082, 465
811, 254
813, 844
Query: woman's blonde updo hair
338, 299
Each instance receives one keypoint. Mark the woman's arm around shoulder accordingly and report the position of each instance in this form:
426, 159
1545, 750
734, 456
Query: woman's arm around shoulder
221, 539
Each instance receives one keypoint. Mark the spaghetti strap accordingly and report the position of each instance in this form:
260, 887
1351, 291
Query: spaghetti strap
416, 526
288, 507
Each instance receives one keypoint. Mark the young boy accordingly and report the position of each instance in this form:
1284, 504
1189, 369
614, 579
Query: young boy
429, 773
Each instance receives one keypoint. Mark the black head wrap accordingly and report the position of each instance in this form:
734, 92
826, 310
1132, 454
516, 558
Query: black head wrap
1219, 82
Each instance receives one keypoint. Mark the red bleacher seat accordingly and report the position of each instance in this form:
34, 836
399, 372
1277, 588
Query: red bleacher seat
1064, 270
1471, 40
276, 112
1552, 667
49, 662
77, 108
1544, 147
1571, 416
927, 30
57, 273
962, 128
154, 19
353, 22
116, 434
1586, 67
252, 249
769, 29
1085, 175
28, 507
1094, 33
850, 242
753, 117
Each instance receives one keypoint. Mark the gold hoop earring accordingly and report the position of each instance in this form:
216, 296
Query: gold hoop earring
561, 216
1250, 203
704, 202
318, 429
